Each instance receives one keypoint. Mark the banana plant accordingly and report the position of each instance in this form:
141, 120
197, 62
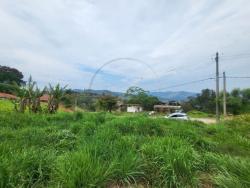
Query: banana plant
55, 93
20, 102
35, 101
30, 93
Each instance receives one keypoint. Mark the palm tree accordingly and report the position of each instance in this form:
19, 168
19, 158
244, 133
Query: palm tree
36, 104
30, 92
55, 95
28, 96
21, 100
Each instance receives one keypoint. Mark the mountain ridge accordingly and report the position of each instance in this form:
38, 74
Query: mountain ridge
164, 96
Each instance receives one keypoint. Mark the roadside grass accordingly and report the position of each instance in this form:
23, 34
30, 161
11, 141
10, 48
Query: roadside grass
99, 149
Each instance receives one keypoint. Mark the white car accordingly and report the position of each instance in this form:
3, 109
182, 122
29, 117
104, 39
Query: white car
178, 115
151, 113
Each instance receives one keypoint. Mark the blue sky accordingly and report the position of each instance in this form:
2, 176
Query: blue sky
66, 41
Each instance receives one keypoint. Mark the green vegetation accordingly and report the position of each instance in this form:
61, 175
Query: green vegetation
137, 95
9, 75
28, 96
107, 102
238, 102
107, 150
6, 106
7, 88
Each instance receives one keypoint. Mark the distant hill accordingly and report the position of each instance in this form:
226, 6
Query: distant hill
173, 95
107, 92
163, 96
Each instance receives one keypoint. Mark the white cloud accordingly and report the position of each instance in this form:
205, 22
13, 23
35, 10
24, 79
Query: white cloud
64, 40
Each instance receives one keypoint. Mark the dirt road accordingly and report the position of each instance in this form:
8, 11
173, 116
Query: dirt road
205, 120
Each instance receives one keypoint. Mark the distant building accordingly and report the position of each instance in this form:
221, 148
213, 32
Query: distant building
121, 107
166, 108
44, 98
7, 96
134, 108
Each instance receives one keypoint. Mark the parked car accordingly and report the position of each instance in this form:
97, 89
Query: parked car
178, 115
151, 113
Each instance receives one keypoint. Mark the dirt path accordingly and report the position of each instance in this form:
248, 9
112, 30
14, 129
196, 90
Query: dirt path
205, 120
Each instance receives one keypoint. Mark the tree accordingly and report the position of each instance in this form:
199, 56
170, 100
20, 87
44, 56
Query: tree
28, 96
205, 101
88, 101
234, 104
135, 91
137, 95
238, 101
107, 102
36, 103
9, 75
20, 102
245, 96
7, 88
187, 106
55, 96
30, 92
236, 92
70, 98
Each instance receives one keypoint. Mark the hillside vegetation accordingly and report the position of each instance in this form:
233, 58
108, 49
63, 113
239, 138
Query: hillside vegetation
106, 150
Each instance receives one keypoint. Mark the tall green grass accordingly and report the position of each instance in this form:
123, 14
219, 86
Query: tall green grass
106, 150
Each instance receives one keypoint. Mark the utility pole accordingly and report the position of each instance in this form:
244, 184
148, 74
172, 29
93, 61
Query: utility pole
217, 88
224, 95
75, 107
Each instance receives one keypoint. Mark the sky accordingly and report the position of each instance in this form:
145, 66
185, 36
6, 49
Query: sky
158, 44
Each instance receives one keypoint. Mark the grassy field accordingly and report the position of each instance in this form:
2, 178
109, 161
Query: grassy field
107, 150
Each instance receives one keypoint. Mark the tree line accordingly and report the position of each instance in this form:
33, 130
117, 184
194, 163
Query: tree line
28, 95
238, 101
107, 102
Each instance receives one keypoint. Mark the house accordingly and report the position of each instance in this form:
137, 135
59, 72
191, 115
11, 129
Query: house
134, 108
44, 98
7, 96
166, 108
121, 107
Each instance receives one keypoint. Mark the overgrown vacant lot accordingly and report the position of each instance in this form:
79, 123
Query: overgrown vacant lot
105, 150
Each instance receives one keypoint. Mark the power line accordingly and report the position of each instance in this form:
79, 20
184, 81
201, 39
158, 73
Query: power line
183, 84
237, 55
182, 67
201, 80
223, 57
234, 58
244, 77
